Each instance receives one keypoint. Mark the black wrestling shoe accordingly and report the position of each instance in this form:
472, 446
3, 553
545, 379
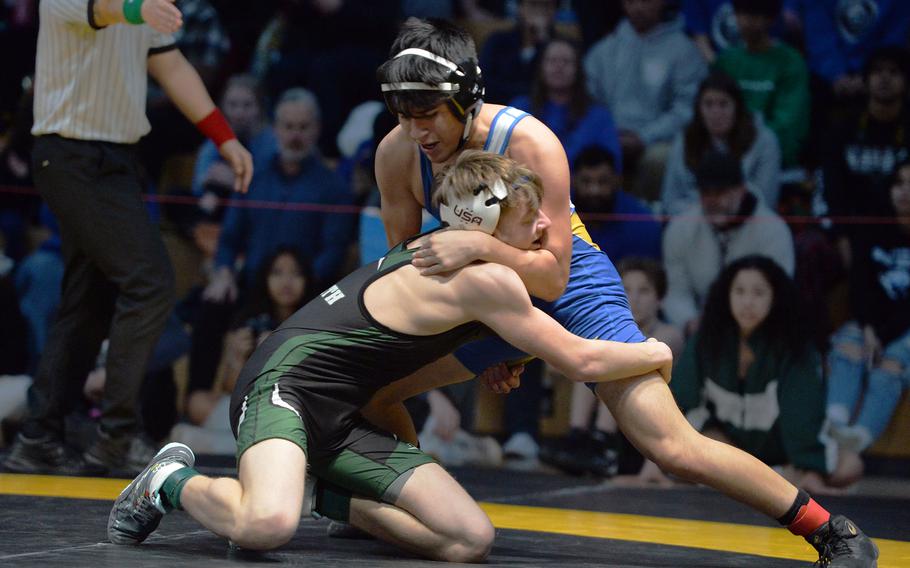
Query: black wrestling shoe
138, 509
45, 455
569, 453
603, 457
840, 544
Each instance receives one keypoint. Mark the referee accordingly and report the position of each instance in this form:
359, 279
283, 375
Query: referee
94, 58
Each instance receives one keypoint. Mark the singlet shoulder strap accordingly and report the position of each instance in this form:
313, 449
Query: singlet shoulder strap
400, 252
501, 129
497, 141
501, 133
426, 175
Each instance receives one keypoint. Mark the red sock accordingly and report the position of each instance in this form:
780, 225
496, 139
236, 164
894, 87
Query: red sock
809, 517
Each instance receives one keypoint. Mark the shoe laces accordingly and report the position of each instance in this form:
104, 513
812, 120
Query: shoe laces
146, 511
832, 547
141, 514
145, 502
824, 557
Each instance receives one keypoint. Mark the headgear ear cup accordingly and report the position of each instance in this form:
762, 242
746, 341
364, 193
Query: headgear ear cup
469, 97
480, 211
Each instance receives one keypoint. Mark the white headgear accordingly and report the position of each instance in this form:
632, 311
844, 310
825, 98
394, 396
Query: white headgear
465, 84
479, 211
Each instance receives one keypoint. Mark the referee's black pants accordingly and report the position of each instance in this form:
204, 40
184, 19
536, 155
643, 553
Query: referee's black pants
118, 281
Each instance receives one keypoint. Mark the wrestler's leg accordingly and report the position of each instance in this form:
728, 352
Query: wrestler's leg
649, 417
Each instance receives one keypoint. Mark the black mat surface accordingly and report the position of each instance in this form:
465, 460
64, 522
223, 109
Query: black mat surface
44, 531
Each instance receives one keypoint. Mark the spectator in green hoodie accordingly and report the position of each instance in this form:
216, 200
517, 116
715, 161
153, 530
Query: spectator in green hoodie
751, 378
772, 75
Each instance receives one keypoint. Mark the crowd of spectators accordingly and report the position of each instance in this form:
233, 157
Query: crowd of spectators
743, 162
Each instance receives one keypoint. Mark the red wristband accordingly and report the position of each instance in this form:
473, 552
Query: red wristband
216, 128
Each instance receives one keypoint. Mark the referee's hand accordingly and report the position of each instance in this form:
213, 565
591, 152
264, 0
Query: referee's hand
240, 161
162, 15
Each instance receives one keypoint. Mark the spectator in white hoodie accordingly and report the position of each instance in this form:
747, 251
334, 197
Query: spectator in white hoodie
646, 72
729, 222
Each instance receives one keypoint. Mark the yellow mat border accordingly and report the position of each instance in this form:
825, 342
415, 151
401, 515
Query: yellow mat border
707, 535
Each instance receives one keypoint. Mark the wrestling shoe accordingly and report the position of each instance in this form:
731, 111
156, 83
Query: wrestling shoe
138, 509
603, 460
570, 453
840, 544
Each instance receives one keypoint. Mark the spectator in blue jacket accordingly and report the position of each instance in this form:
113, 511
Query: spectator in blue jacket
272, 217
293, 200
839, 36
559, 98
621, 225
712, 24
508, 57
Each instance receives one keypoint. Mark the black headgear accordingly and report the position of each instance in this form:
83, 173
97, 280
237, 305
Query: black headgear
464, 83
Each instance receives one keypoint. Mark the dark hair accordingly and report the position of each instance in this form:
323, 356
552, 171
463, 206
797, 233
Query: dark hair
579, 99
783, 327
246, 81
652, 269
697, 140
894, 54
260, 302
769, 8
718, 171
593, 156
439, 37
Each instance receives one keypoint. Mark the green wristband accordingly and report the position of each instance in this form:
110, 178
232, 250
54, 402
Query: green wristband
132, 11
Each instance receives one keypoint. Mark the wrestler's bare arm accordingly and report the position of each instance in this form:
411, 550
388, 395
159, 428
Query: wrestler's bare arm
494, 295
537, 148
401, 211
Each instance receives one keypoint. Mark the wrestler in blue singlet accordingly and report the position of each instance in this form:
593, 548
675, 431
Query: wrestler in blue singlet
594, 304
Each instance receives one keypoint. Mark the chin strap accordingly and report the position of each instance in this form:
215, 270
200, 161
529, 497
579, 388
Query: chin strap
468, 122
